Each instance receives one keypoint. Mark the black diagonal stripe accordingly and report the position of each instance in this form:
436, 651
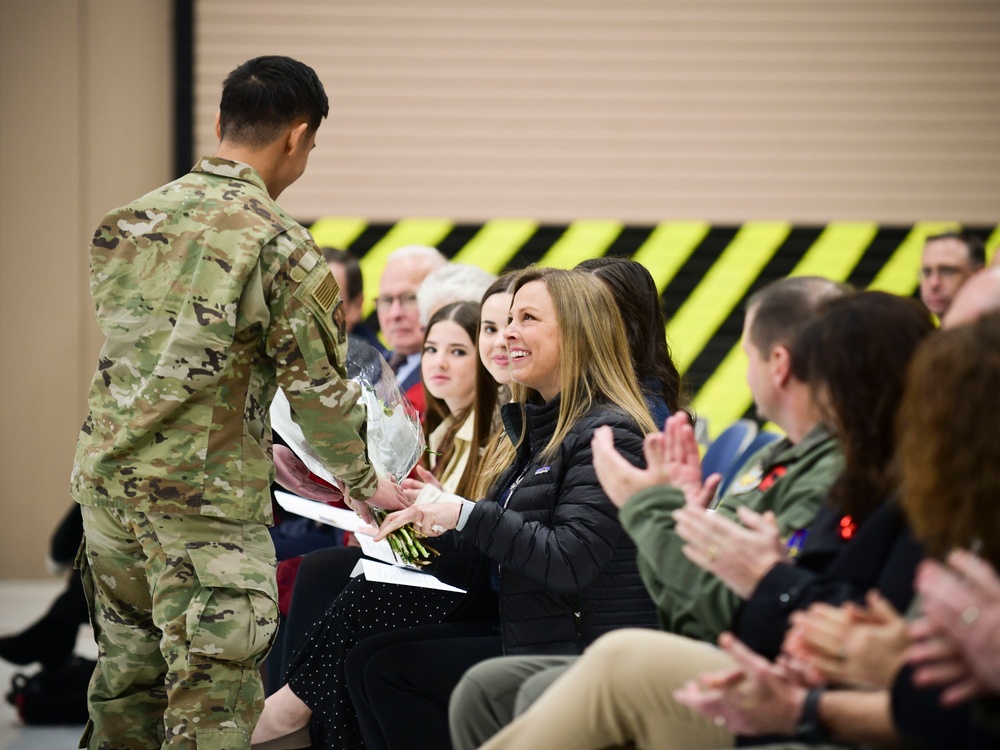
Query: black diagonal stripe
785, 258
457, 238
368, 238
690, 274
629, 241
539, 243
877, 254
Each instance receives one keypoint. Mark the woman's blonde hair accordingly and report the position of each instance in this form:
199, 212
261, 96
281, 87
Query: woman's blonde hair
595, 364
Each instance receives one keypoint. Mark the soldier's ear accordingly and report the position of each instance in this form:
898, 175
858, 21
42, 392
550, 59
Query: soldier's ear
298, 138
218, 125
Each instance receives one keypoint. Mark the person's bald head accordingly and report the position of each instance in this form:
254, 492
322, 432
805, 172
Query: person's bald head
978, 296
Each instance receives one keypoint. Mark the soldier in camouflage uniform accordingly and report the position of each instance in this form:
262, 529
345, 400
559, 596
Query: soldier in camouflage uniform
210, 297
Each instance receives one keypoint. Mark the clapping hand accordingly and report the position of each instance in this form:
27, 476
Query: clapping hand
957, 642
757, 697
851, 644
738, 555
671, 459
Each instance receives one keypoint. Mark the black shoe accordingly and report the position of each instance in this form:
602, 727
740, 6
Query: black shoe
49, 641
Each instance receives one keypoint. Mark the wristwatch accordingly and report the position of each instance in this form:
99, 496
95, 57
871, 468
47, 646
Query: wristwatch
808, 729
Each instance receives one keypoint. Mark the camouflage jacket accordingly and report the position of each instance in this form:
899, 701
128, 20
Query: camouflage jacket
210, 296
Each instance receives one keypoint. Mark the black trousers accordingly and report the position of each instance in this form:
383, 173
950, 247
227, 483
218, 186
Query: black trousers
400, 682
322, 575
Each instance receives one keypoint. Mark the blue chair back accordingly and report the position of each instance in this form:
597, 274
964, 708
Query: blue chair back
729, 446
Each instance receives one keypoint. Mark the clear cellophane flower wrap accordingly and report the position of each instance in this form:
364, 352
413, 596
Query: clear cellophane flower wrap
395, 438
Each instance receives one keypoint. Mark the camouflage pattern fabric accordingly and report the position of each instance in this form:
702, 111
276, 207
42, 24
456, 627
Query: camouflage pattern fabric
210, 296
184, 609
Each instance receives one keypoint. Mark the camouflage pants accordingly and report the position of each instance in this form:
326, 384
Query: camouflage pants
184, 610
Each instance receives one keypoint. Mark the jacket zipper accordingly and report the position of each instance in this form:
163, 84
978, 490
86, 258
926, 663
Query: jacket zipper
510, 493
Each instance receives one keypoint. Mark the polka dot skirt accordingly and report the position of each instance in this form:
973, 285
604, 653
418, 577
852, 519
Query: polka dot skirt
316, 670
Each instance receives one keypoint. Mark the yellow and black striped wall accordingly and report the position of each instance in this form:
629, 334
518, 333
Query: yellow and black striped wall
704, 273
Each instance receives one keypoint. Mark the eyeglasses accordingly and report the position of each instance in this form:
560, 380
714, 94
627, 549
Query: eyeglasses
945, 272
406, 301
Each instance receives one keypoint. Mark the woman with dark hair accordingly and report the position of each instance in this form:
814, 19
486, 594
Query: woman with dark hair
854, 357
639, 303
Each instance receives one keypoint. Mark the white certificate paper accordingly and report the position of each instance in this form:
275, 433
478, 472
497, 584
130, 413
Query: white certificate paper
390, 570
382, 573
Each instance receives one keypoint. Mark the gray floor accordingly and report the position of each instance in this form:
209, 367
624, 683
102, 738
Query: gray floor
21, 603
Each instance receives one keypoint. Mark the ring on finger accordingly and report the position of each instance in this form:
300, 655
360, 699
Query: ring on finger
712, 551
720, 721
969, 615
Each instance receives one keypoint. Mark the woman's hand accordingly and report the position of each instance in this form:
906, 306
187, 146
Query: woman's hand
431, 519
957, 643
850, 644
756, 698
671, 459
739, 555
411, 487
681, 461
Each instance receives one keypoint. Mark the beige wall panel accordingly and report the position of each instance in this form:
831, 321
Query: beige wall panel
84, 125
40, 172
635, 109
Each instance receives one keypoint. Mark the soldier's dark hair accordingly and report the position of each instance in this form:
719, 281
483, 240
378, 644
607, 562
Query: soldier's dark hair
352, 270
783, 308
639, 303
973, 245
265, 95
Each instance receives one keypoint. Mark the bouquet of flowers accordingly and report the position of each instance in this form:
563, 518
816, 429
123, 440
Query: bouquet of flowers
395, 439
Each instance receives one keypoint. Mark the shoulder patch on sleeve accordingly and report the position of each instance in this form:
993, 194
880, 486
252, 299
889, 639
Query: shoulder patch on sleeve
309, 260
326, 293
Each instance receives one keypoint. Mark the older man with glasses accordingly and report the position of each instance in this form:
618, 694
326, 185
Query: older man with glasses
399, 316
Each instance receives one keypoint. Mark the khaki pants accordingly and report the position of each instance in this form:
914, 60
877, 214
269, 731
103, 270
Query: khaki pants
184, 609
620, 694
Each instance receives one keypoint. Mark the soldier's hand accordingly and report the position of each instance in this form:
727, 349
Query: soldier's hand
361, 508
389, 496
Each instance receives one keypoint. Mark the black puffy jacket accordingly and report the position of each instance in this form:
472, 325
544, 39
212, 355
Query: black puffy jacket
567, 569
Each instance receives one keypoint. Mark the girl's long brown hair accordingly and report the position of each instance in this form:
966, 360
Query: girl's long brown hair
466, 315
